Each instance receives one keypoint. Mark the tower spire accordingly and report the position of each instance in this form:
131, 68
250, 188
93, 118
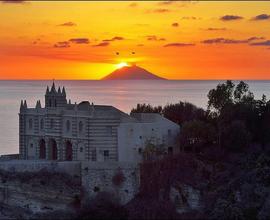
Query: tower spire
64, 91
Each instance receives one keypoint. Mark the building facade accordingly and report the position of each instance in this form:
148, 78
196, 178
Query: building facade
86, 132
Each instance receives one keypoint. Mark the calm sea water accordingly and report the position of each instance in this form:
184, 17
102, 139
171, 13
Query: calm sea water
121, 94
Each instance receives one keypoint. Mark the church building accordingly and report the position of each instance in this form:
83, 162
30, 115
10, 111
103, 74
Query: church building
86, 132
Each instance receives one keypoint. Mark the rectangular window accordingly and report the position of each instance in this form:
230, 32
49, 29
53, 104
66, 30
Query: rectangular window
106, 155
169, 132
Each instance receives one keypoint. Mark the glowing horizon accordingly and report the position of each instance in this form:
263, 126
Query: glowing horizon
174, 40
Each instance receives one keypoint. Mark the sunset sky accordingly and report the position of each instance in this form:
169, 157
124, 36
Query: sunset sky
175, 40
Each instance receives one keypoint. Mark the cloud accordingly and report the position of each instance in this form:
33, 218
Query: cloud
102, 44
62, 44
161, 10
114, 39
190, 18
13, 1
175, 24
166, 2
262, 43
216, 29
179, 45
67, 24
231, 17
79, 40
133, 4
261, 17
154, 38
222, 40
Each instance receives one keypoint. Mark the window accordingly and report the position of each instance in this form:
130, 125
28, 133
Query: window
80, 126
106, 155
50, 103
51, 123
140, 150
54, 103
30, 125
140, 137
31, 145
169, 132
67, 125
41, 124
81, 149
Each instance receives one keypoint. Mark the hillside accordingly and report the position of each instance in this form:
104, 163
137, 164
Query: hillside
133, 72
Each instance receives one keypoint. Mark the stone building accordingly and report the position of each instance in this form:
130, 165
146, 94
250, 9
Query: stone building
86, 132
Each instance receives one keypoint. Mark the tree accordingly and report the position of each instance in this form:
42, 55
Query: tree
182, 112
146, 108
196, 134
235, 137
221, 96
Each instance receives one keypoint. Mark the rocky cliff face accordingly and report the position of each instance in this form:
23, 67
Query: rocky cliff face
31, 193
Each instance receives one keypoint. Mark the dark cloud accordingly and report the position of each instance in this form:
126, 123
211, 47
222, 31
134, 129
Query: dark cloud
166, 2
261, 43
222, 40
102, 44
79, 40
161, 10
179, 45
190, 18
154, 38
13, 1
62, 44
231, 17
216, 29
261, 17
133, 4
175, 24
68, 24
114, 39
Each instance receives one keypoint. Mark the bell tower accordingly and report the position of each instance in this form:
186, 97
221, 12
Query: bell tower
54, 99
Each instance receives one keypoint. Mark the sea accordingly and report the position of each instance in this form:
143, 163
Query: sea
122, 94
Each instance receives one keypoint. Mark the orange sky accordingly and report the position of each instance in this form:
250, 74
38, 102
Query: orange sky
175, 40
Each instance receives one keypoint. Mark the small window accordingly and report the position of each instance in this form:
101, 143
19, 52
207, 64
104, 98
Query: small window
41, 124
140, 137
80, 126
68, 125
140, 150
106, 155
54, 103
153, 129
81, 149
169, 132
30, 123
31, 145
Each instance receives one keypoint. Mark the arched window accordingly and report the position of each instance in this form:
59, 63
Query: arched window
68, 125
80, 126
50, 103
30, 125
42, 124
51, 123
55, 103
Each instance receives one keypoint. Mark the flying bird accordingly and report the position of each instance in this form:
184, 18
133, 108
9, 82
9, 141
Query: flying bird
133, 52
117, 53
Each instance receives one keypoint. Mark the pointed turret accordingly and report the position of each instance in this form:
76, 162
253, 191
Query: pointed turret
64, 91
25, 104
53, 88
21, 106
69, 102
47, 90
75, 107
38, 105
59, 90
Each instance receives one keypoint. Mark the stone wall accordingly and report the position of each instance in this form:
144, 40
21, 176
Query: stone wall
120, 179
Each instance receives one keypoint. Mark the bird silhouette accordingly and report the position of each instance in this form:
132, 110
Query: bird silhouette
117, 53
